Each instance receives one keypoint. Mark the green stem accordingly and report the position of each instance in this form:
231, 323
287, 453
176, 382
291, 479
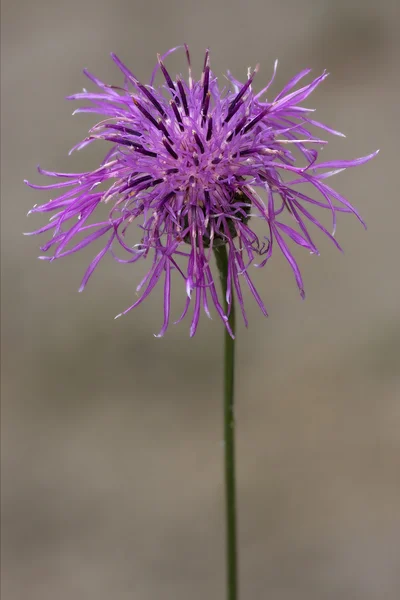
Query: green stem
221, 256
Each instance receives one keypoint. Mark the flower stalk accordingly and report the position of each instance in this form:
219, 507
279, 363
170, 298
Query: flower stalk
221, 256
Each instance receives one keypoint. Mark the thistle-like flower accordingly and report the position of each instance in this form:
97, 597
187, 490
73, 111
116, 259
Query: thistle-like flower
190, 165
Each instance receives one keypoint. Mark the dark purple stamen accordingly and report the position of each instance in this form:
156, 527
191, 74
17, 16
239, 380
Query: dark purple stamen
189, 64
165, 131
138, 147
166, 74
206, 63
116, 139
153, 100
233, 110
134, 182
249, 151
256, 120
124, 142
145, 113
209, 129
122, 128
206, 81
146, 185
168, 147
205, 78
243, 90
240, 125
204, 108
196, 159
183, 97
198, 141
142, 150
177, 115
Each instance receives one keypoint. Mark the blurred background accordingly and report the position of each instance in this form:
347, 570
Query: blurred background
111, 439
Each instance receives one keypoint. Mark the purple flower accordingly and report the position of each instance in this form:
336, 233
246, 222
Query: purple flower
190, 165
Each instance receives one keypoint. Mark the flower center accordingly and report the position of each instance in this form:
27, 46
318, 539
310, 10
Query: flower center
240, 207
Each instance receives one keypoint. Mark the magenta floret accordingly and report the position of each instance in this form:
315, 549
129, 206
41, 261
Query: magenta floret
186, 164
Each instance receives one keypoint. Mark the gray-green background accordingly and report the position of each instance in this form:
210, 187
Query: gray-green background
112, 475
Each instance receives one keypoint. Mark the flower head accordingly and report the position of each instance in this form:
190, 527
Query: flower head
190, 164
